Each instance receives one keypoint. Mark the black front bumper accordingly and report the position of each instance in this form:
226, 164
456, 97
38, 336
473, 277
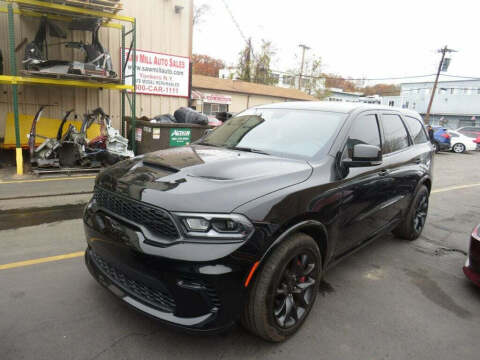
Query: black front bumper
160, 304
194, 295
179, 298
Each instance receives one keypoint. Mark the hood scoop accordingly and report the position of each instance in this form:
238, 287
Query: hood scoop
218, 178
159, 165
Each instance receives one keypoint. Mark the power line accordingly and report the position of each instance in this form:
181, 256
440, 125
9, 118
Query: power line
235, 22
371, 79
248, 43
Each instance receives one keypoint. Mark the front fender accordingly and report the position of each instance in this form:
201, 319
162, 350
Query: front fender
308, 226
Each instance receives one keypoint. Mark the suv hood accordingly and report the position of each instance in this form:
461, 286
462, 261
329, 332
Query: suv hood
202, 178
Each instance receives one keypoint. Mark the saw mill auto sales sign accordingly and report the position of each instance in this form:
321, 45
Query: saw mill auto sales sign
159, 74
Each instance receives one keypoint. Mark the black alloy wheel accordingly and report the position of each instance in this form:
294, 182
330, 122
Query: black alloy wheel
412, 225
293, 297
284, 289
421, 211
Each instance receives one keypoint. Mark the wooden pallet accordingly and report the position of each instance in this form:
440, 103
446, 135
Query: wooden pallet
32, 73
107, 6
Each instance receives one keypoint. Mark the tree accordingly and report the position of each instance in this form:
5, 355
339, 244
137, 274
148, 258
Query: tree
244, 68
257, 68
382, 89
263, 73
337, 81
206, 65
311, 77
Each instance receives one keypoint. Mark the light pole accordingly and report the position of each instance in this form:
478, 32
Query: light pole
304, 47
443, 51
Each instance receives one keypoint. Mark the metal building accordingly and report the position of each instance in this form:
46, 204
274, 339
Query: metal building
456, 102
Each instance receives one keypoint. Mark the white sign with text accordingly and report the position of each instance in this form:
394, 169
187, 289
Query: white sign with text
159, 74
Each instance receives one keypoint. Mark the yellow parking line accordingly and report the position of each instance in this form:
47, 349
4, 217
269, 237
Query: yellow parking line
49, 179
458, 187
41, 260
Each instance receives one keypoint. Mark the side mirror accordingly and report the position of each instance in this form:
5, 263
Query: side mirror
364, 155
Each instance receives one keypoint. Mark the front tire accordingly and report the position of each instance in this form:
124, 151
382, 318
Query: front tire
284, 290
458, 148
412, 226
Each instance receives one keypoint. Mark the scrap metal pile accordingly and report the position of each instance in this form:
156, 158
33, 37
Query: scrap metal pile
97, 61
72, 149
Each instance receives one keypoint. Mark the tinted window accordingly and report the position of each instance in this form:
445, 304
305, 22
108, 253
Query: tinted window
363, 131
299, 133
396, 137
417, 130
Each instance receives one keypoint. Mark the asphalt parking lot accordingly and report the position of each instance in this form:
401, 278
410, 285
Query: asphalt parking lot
391, 300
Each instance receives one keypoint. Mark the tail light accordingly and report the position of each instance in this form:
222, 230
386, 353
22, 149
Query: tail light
445, 135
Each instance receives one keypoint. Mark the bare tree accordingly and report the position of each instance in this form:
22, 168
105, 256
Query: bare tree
263, 73
244, 68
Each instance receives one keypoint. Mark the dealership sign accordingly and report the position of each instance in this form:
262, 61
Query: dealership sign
217, 99
159, 74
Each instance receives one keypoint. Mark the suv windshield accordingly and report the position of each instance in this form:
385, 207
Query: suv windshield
296, 133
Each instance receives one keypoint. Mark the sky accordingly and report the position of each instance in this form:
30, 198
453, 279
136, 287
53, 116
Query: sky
357, 39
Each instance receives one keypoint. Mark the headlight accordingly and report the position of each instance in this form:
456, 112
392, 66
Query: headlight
215, 226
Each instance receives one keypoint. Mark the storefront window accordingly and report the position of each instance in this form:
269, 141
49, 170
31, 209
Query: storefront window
213, 109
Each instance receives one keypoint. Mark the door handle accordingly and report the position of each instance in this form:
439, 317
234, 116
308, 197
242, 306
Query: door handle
383, 172
417, 161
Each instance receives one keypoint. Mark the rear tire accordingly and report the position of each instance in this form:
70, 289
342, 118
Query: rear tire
436, 147
274, 309
412, 226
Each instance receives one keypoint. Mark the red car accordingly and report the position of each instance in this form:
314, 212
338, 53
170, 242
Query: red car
472, 265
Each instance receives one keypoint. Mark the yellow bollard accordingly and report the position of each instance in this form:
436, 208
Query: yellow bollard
19, 161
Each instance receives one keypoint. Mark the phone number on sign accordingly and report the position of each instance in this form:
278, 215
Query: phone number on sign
157, 89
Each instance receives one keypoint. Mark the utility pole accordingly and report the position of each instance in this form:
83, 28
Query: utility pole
304, 47
443, 51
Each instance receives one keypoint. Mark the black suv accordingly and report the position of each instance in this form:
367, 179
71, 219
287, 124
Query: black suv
244, 223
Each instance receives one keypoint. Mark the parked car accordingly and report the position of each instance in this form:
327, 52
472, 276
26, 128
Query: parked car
441, 139
472, 265
461, 143
244, 224
470, 131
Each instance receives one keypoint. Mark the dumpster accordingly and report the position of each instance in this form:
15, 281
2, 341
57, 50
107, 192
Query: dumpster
157, 136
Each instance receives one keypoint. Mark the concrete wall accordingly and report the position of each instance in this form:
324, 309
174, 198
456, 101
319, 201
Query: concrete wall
159, 29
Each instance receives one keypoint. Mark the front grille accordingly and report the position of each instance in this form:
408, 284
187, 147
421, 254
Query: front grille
160, 299
154, 219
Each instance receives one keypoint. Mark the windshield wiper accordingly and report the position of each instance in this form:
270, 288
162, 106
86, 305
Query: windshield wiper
252, 150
